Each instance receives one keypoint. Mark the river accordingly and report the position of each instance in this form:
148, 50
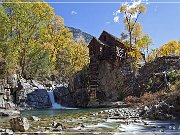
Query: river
55, 112
110, 126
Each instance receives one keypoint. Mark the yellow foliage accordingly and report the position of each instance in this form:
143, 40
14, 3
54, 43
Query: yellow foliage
39, 42
135, 53
171, 48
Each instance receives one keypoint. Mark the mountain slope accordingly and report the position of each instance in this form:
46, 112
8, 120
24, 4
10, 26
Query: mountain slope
77, 33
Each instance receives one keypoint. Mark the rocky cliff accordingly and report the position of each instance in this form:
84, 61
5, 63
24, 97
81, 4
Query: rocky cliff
79, 87
64, 96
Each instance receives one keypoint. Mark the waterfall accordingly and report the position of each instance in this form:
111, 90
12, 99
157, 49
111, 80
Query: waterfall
54, 104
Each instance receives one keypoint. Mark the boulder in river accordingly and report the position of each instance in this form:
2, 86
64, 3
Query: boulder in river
19, 124
34, 118
57, 126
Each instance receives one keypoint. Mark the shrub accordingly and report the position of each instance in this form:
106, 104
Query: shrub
132, 99
150, 98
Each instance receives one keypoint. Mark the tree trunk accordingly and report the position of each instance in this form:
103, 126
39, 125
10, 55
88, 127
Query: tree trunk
130, 40
23, 62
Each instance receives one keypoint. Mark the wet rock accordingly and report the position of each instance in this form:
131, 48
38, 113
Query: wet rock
57, 126
8, 132
145, 123
82, 125
146, 108
137, 121
2, 130
48, 128
34, 118
53, 124
19, 124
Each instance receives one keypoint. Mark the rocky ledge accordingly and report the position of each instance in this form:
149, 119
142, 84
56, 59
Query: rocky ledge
5, 112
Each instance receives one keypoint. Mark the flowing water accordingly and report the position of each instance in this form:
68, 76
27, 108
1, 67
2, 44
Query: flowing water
54, 104
153, 127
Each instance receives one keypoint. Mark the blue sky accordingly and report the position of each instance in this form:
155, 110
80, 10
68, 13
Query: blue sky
161, 21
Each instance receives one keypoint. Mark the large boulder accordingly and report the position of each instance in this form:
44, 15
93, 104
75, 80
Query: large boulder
39, 98
19, 124
34, 118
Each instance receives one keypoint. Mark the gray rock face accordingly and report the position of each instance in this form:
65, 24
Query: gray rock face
76, 95
7, 83
111, 83
38, 99
78, 86
81, 97
19, 124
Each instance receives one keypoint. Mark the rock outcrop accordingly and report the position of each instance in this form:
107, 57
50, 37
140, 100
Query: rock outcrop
78, 87
63, 96
156, 75
7, 83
